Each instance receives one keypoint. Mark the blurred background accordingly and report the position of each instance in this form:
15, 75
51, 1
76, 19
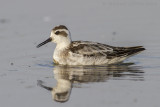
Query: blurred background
26, 23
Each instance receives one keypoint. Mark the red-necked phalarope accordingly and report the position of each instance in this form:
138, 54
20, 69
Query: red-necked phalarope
68, 52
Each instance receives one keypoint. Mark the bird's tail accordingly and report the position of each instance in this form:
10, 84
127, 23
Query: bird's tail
134, 50
123, 53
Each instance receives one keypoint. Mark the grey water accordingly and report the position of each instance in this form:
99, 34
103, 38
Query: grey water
28, 76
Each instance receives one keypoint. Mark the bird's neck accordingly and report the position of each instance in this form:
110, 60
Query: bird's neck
63, 45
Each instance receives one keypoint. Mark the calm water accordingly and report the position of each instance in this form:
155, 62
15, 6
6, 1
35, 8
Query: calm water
69, 77
29, 78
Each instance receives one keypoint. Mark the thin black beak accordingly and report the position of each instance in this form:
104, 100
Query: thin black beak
43, 43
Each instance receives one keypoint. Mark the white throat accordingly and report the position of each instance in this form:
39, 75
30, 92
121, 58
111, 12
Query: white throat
63, 45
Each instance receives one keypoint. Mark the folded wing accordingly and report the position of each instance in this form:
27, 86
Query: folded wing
93, 49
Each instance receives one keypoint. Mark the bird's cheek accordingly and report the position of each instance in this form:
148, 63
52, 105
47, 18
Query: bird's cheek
53, 39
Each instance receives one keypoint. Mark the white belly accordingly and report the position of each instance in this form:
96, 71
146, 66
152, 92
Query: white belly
74, 59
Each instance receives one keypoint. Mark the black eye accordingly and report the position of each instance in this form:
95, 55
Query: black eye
57, 32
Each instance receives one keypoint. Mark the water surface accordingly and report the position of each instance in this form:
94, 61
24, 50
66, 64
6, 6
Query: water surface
69, 77
26, 72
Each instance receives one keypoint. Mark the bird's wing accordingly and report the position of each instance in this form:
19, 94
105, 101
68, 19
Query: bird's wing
94, 49
91, 49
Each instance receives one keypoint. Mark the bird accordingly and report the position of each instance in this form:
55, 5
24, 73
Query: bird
68, 52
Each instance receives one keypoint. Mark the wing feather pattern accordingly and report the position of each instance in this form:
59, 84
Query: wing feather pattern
94, 49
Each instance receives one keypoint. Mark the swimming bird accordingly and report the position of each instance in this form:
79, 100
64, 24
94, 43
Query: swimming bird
68, 52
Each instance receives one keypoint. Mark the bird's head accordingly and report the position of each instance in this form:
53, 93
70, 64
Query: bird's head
59, 35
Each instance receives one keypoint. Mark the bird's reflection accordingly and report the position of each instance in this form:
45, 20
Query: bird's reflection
66, 76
